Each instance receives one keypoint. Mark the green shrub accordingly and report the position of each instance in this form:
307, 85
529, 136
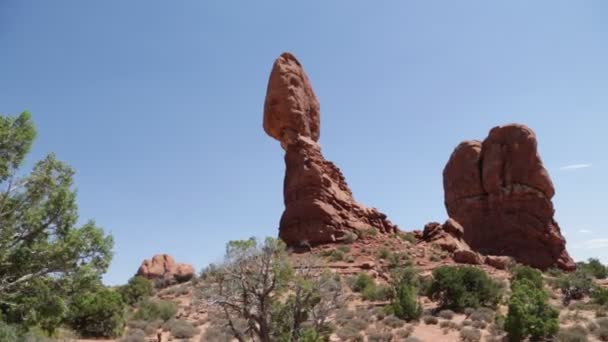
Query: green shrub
460, 287
470, 335
529, 273
575, 285
182, 329
377, 292
98, 314
529, 313
405, 305
412, 339
343, 249
576, 333
430, 320
482, 315
383, 253
593, 267
349, 334
600, 296
136, 289
369, 232
393, 322
7, 332
336, 255
374, 335
446, 314
134, 335
407, 236
150, 310
362, 281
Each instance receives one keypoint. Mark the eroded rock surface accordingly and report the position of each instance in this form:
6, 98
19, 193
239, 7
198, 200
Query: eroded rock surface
501, 193
319, 206
164, 271
450, 237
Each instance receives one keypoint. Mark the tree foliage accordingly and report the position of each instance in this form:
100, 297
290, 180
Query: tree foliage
98, 314
405, 304
45, 257
260, 296
530, 314
137, 289
462, 287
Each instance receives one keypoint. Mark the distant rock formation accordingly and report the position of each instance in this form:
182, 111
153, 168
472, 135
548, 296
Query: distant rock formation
164, 271
319, 206
450, 238
500, 192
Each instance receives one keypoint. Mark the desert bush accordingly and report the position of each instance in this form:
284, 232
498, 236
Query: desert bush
375, 335
594, 267
349, 334
336, 255
554, 272
468, 311
479, 325
575, 285
600, 295
446, 314
7, 332
407, 236
412, 339
466, 323
576, 333
529, 313
360, 282
448, 325
430, 320
369, 232
136, 289
377, 292
483, 315
134, 335
183, 329
393, 322
405, 304
343, 316
216, 333
350, 237
357, 324
526, 272
98, 314
150, 310
470, 335
460, 287
383, 252
404, 333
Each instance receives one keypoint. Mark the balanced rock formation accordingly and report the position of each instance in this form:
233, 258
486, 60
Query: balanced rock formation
164, 271
319, 206
500, 192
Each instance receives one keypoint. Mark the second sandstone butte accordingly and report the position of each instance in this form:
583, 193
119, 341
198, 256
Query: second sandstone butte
319, 206
500, 192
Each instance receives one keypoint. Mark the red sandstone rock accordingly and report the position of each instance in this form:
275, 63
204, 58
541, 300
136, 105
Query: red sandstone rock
449, 237
499, 262
501, 194
319, 206
163, 269
291, 108
467, 256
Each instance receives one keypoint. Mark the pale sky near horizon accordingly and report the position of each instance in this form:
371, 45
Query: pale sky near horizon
158, 107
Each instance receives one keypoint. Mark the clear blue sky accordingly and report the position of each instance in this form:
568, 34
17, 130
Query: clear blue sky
158, 106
